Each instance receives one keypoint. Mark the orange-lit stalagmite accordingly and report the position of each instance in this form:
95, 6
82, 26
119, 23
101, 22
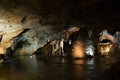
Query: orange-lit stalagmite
78, 49
82, 43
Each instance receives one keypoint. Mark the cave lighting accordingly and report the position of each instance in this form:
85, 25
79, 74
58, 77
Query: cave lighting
78, 50
106, 42
90, 50
104, 48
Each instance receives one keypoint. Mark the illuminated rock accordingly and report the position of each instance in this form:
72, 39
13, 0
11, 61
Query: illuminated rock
79, 43
78, 49
69, 31
104, 48
106, 43
90, 50
89, 46
7, 40
9, 29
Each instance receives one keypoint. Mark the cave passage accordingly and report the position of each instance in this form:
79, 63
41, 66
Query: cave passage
32, 34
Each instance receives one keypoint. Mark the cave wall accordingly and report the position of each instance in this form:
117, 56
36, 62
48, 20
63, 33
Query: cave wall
47, 19
16, 17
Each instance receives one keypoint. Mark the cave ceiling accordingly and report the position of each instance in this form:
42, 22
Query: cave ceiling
67, 11
60, 14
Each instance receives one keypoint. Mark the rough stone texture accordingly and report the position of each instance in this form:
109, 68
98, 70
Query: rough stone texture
46, 19
9, 28
15, 20
106, 48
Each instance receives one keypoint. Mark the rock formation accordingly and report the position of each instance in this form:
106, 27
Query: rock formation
8, 32
107, 43
48, 21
